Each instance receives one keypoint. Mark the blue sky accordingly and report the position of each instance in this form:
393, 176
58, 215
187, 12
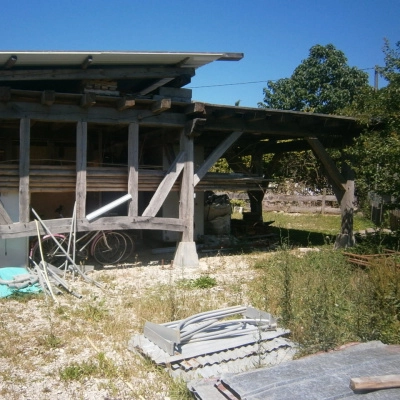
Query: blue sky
275, 36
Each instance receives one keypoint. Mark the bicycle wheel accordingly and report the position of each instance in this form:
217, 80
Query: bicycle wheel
130, 246
109, 248
52, 254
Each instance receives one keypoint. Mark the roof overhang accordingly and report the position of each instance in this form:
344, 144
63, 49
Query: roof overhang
12, 59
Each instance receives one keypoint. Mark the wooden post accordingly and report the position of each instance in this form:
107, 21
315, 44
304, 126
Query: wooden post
186, 206
24, 161
323, 204
186, 253
346, 236
343, 187
256, 197
81, 161
133, 168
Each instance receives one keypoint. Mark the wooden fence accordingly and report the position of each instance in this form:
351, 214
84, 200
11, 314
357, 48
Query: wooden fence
322, 204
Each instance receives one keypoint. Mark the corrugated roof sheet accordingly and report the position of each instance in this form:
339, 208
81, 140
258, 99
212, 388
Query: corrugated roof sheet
211, 358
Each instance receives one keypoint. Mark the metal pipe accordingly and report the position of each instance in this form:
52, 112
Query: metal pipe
108, 207
87, 279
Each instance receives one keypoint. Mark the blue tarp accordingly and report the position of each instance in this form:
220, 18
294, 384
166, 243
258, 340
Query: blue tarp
10, 273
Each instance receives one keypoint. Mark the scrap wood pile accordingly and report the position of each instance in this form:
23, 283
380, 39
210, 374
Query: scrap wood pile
388, 257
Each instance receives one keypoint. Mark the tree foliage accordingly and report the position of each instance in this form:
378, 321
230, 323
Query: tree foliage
322, 83
376, 153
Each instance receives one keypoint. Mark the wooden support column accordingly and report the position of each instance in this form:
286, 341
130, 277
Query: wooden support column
24, 161
343, 187
256, 197
81, 162
133, 168
186, 253
346, 237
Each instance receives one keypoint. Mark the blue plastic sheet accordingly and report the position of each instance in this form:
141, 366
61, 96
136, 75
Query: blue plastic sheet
8, 274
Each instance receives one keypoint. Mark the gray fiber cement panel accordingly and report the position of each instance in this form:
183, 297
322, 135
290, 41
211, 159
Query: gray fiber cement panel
322, 376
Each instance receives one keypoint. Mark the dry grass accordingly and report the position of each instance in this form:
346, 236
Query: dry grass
78, 347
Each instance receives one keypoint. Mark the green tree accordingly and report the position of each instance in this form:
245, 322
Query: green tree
376, 153
322, 83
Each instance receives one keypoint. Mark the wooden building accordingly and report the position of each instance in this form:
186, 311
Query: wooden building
86, 128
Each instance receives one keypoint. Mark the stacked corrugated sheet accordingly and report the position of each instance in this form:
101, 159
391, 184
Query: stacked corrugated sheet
204, 345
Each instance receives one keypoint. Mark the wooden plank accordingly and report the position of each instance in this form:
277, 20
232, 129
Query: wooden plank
81, 158
24, 161
88, 100
125, 103
165, 186
215, 156
196, 108
133, 168
367, 383
161, 106
97, 114
48, 97
63, 225
95, 73
5, 93
334, 175
5, 219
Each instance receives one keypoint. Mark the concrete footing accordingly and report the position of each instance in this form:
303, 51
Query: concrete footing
186, 255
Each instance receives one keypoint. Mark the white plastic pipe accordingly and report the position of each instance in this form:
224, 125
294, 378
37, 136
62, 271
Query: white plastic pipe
108, 207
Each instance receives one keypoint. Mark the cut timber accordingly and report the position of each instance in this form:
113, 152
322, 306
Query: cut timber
186, 255
375, 382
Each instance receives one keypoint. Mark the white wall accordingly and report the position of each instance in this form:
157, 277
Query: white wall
13, 252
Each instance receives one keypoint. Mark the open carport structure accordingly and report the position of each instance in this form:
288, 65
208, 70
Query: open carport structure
86, 128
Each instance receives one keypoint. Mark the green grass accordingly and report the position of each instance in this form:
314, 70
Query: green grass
325, 301
310, 229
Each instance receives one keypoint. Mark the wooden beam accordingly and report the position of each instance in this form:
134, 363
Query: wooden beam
155, 86
186, 204
5, 219
5, 93
63, 225
48, 97
334, 175
369, 383
88, 100
165, 186
196, 108
125, 103
161, 106
24, 162
133, 168
215, 156
193, 127
81, 161
105, 115
44, 74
